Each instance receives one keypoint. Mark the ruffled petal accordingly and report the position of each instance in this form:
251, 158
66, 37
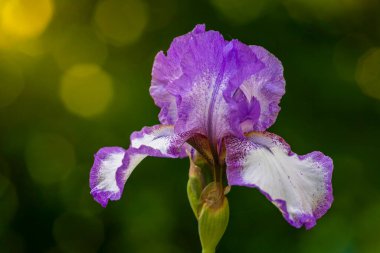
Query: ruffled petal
113, 165
167, 69
256, 103
195, 81
213, 70
103, 181
300, 186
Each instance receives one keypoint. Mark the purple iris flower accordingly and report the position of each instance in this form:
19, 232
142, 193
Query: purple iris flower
217, 100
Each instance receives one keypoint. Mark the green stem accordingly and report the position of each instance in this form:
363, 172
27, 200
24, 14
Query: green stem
208, 251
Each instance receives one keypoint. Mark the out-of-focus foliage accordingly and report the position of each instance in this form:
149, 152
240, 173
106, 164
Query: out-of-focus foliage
74, 76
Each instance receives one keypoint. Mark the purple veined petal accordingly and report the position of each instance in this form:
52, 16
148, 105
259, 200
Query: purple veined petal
213, 70
300, 186
167, 69
256, 102
114, 165
195, 80
160, 141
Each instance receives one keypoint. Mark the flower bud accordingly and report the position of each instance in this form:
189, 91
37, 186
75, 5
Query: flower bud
195, 186
213, 217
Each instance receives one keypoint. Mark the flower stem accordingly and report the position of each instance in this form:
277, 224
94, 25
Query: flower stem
208, 251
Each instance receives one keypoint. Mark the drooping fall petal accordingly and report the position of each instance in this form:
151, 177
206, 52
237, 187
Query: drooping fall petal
113, 165
300, 186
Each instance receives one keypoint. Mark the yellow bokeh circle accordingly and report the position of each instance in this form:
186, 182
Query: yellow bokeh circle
86, 90
26, 18
121, 22
368, 74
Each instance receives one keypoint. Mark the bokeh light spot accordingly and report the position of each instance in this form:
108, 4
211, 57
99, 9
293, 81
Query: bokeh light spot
11, 81
121, 22
25, 18
49, 158
86, 90
368, 74
78, 45
241, 11
78, 233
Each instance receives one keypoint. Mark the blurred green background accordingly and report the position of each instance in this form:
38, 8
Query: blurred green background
74, 76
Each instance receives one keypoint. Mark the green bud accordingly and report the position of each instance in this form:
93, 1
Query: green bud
213, 217
194, 187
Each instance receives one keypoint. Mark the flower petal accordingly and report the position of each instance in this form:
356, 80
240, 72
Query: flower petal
103, 182
194, 82
300, 186
167, 69
257, 100
113, 165
213, 70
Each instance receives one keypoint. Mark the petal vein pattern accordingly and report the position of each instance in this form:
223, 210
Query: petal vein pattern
114, 165
300, 186
195, 82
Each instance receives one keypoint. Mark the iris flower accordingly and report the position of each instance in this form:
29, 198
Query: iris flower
217, 100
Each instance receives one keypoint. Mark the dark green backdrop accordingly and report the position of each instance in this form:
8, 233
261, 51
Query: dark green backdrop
74, 76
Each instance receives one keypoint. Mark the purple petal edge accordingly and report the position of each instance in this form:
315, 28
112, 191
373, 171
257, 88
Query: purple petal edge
309, 221
166, 69
177, 149
100, 196
113, 165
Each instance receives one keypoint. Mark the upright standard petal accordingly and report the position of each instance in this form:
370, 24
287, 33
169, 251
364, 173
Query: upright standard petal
300, 186
256, 103
195, 81
213, 69
167, 69
113, 165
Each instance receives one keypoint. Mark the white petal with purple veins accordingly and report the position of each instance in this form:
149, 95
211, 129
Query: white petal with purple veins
114, 165
300, 186
103, 174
